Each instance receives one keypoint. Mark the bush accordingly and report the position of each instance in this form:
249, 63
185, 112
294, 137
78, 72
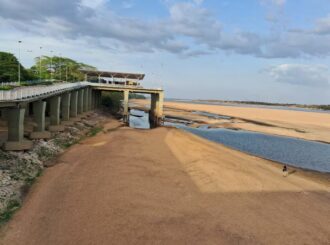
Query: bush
112, 100
6, 87
34, 83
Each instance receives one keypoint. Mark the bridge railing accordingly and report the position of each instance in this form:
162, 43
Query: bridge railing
21, 93
120, 86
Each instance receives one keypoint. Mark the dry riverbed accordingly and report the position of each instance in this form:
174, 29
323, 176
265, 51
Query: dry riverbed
166, 186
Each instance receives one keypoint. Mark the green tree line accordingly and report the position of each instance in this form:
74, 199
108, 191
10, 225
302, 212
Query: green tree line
44, 68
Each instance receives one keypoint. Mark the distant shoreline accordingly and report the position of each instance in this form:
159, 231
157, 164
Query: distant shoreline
258, 103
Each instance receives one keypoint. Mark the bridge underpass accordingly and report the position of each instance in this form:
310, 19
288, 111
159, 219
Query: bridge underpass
49, 108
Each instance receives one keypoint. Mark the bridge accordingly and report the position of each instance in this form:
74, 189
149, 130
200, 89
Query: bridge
52, 107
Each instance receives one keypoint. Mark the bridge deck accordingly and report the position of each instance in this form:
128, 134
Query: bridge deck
21, 95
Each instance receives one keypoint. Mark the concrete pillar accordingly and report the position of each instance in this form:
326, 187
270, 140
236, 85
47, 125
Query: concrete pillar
85, 106
156, 108
27, 110
39, 114
74, 104
90, 99
80, 101
4, 117
65, 109
99, 98
16, 140
125, 106
153, 105
55, 108
65, 106
160, 105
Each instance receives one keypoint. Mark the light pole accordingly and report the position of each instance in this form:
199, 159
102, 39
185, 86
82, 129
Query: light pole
60, 67
51, 65
19, 60
66, 72
40, 65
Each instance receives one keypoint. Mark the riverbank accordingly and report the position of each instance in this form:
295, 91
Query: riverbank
298, 124
128, 186
19, 170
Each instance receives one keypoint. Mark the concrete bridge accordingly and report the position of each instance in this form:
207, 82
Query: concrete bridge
62, 104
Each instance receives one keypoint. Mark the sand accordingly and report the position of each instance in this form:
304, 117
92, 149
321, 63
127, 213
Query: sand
166, 186
305, 125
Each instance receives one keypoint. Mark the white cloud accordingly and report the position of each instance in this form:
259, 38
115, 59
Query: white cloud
189, 27
301, 74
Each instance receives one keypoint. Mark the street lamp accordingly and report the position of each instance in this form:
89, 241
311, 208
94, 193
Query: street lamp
66, 72
40, 65
19, 60
51, 65
60, 66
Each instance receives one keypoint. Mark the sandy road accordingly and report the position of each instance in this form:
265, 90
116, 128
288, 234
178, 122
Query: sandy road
164, 186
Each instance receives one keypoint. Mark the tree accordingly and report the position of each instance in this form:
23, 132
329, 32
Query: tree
59, 68
9, 68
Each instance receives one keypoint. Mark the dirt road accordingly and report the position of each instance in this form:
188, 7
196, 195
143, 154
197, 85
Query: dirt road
164, 186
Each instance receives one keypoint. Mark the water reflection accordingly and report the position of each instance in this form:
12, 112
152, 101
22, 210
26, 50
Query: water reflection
139, 119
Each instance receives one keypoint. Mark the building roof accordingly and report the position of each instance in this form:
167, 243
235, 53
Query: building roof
112, 74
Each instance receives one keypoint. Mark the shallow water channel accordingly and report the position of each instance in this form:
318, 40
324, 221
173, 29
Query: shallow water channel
139, 119
295, 152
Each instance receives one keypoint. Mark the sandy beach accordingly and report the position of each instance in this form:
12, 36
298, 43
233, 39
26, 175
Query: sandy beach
166, 186
299, 124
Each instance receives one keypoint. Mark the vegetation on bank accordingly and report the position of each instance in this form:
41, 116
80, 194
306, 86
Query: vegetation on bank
112, 101
45, 68
6, 87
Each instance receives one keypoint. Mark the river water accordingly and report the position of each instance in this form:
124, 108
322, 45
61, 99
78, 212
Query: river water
295, 152
139, 119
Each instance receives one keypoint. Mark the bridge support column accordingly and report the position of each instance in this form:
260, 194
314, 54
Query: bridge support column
90, 99
98, 99
27, 110
39, 114
65, 109
16, 141
4, 117
125, 106
80, 101
55, 105
74, 105
85, 106
156, 109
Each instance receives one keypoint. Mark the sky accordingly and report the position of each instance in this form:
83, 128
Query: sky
260, 50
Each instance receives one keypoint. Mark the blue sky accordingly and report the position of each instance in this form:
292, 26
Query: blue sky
266, 50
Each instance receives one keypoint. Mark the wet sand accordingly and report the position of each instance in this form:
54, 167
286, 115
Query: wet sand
166, 186
305, 125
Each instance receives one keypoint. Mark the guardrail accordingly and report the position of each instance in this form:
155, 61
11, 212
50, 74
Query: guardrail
21, 93
121, 86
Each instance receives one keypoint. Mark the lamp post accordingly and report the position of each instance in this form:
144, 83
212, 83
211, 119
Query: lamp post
51, 65
60, 66
66, 73
40, 65
19, 60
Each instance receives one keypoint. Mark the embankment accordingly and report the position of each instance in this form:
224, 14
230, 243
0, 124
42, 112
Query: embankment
165, 186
